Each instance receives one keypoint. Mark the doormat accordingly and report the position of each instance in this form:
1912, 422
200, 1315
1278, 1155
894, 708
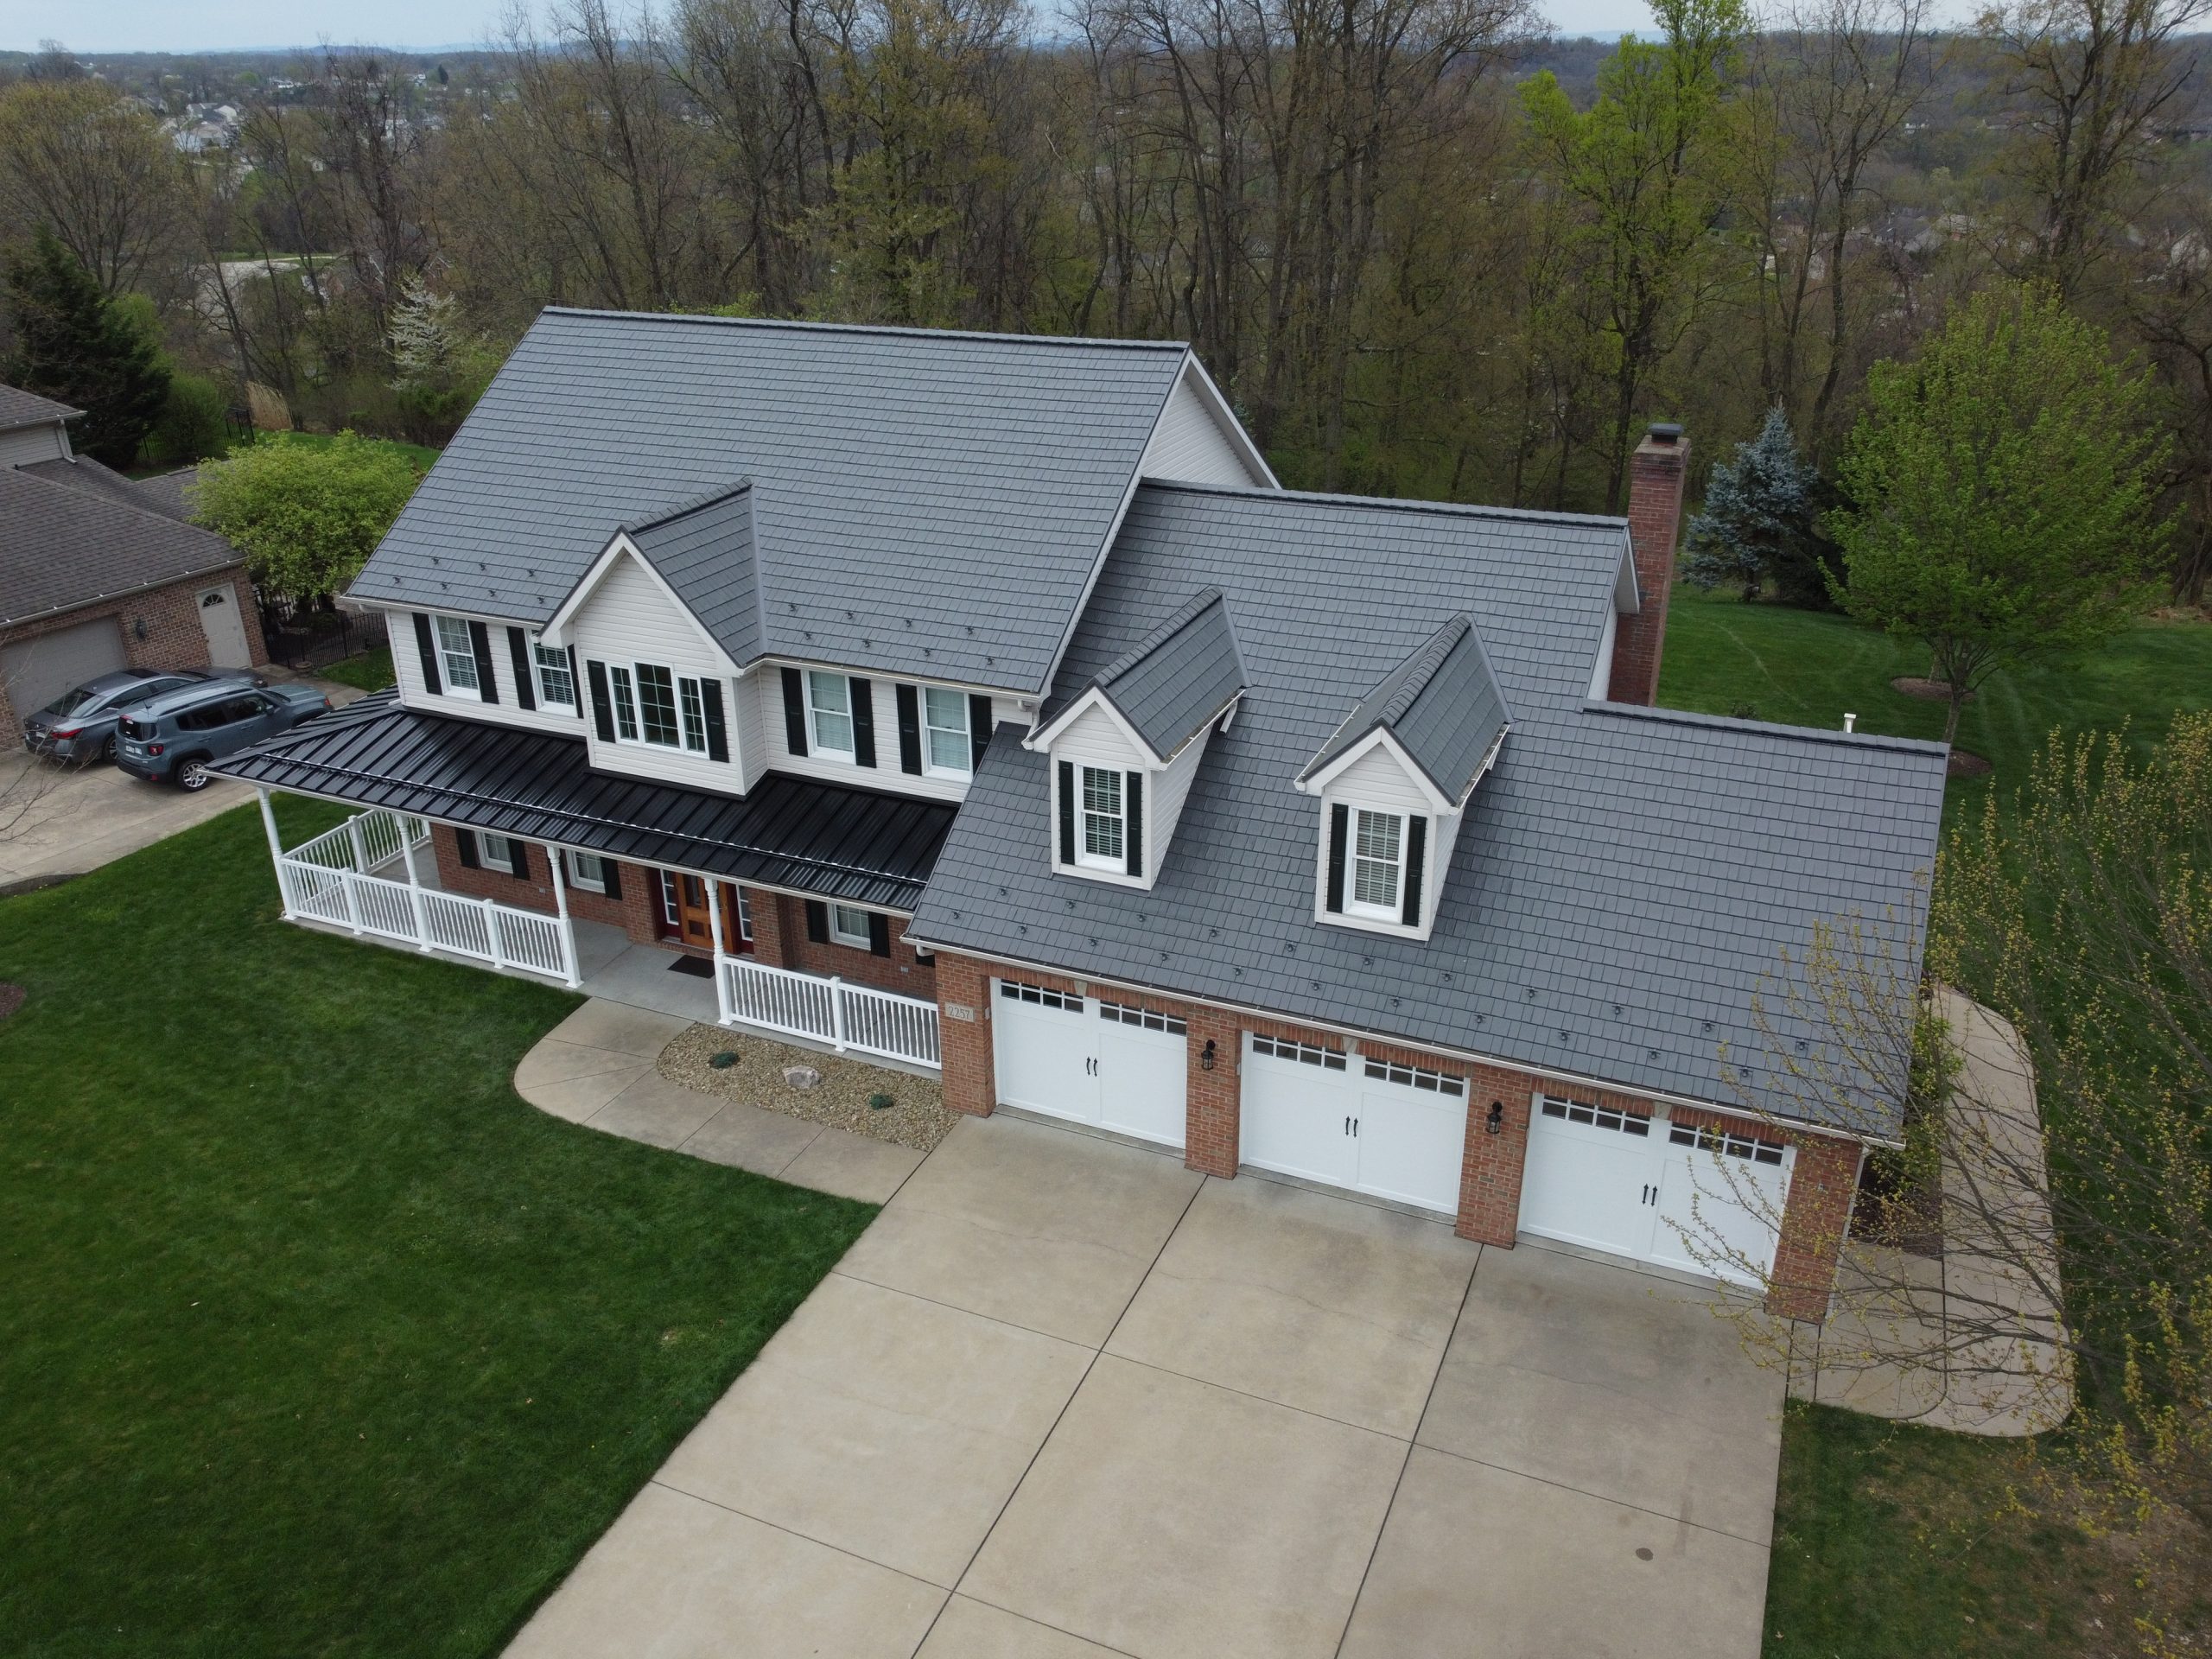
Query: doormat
698, 967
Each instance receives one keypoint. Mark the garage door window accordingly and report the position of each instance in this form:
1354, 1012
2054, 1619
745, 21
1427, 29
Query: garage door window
1014, 991
1735, 1146
1144, 1017
1603, 1117
1304, 1053
1412, 1076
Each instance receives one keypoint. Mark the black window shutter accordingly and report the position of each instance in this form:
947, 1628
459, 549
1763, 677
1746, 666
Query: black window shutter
602, 706
1339, 832
573, 678
481, 638
525, 680
979, 729
817, 921
910, 730
519, 851
465, 840
431, 683
710, 694
1133, 836
794, 711
863, 701
613, 872
879, 933
1067, 812
1417, 856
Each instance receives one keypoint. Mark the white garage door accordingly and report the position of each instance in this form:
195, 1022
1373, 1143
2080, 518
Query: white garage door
1092, 1060
38, 671
1329, 1117
1630, 1185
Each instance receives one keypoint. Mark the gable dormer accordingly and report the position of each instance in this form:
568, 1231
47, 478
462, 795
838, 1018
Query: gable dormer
1394, 780
1125, 749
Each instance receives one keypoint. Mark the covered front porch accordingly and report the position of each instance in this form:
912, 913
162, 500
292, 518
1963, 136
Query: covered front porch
376, 877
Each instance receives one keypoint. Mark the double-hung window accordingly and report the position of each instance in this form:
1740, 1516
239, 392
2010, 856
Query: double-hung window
556, 686
588, 871
457, 658
830, 713
945, 716
496, 853
1102, 841
656, 705
653, 705
625, 702
1378, 864
850, 925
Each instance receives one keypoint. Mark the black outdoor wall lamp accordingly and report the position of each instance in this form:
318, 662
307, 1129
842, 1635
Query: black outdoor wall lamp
1495, 1123
1205, 1061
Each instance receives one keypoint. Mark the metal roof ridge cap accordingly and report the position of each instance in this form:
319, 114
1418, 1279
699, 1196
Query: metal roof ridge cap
1769, 729
684, 508
798, 325
1405, 504
1421, 668
1189, 612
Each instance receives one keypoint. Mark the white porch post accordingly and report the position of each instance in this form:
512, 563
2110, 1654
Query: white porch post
721, 961
837, 1011
415, 891
360, 847
276, 854
567, 928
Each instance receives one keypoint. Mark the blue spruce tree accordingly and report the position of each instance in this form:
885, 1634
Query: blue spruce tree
1757, 524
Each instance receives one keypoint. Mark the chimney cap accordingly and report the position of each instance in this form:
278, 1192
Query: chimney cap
1666, 431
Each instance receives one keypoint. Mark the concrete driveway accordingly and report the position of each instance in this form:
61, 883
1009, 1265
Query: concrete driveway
1067, 1398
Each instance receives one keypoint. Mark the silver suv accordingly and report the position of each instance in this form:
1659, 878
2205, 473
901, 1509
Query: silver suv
171, 738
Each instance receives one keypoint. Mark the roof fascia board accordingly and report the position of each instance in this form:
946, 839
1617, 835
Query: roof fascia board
235, 563
1381, 736
1478, 1057
1226, 417
404, 607
572, 606
1097, 696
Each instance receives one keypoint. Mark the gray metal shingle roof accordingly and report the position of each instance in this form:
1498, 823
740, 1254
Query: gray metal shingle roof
1623, 884
21, 408
930, 503
704, 550
63, 545
1443, 706
1179, 675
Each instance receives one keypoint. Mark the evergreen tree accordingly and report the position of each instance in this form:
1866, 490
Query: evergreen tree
74, 344
1760, 521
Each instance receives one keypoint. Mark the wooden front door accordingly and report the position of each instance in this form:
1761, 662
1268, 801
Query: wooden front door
689, 916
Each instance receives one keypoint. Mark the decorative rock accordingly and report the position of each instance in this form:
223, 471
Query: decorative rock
802, 1076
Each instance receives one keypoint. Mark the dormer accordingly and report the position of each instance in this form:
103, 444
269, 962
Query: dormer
1124, 750
1394, 780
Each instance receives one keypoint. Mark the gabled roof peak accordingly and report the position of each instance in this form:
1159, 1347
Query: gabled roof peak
1175, 681
1191, 609
1441, 706
684, 508
799, 325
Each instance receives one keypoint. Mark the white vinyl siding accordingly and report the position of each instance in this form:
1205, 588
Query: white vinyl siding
30, 443
407, 674
630, 623
1378, 782
768, 745
1601, 675
1189, 444
1164, 793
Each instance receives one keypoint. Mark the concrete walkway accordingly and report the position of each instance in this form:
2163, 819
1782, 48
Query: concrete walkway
1066, 1397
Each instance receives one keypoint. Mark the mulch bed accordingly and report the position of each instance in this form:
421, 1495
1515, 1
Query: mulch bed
1926, 690
12, 998
1966, 764
918, 1117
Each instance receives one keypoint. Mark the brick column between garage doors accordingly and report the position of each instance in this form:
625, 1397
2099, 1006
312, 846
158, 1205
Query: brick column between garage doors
963, 1024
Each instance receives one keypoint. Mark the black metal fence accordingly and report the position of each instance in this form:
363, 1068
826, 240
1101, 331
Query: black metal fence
310, 634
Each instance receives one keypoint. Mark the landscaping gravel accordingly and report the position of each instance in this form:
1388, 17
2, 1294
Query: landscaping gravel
918, 1117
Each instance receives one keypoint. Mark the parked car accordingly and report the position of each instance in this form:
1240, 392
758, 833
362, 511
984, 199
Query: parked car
79, 724
172, 737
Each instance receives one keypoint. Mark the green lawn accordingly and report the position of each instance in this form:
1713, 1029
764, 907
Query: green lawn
371, 670
1807, 668
316, 1339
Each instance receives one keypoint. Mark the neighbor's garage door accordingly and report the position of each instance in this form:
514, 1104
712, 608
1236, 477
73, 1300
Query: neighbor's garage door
38, 671
1090, 1060
1631, 1185
1326, 1116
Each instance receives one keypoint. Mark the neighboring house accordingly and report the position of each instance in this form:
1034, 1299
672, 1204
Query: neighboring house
99, 572
983, 703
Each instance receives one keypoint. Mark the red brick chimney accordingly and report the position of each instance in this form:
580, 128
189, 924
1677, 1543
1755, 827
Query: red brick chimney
1656, 474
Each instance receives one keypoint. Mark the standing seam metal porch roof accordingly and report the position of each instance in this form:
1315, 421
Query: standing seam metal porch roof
929, 504
854, 845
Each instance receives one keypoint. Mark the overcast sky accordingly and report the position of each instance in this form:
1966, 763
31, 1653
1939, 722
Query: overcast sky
215, 25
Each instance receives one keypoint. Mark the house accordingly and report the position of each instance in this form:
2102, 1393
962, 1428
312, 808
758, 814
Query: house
99, 572
984, 703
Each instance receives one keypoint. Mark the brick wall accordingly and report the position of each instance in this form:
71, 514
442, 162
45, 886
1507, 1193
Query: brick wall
174, 636
1813, 1224
536, 893
901, 971
963, 1019
1657, 473
1492, 1164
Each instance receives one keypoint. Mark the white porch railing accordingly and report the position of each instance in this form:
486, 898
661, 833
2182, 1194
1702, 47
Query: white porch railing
845, 1016
366, 842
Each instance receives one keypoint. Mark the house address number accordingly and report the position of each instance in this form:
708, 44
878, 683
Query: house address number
960, 1011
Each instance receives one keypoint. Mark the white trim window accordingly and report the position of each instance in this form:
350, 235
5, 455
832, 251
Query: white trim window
848, 925
625, 702
947, 750
1101, 843
589, 872
830, 714
745, 914
655, 706
556, 685
495, 853
669, 913
1378, 864
457, 658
